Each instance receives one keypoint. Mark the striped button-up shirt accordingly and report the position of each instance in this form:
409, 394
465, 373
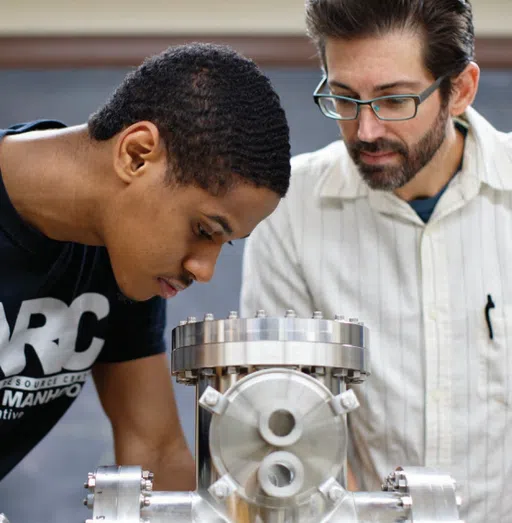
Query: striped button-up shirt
440, 392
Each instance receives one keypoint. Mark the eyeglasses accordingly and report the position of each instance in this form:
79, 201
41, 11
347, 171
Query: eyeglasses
393, 107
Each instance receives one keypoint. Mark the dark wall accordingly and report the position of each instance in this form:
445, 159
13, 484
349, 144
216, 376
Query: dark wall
47, 485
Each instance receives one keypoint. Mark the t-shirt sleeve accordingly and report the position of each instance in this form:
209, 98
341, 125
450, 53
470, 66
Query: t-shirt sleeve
136, 330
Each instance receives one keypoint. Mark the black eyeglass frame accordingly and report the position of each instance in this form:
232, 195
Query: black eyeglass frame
418, 99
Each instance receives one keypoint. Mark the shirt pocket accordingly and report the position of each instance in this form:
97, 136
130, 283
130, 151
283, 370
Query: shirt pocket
495, 356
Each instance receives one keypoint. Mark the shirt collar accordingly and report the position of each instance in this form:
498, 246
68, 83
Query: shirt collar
487, 159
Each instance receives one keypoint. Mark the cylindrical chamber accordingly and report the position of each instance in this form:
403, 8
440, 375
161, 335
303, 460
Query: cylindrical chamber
219, 353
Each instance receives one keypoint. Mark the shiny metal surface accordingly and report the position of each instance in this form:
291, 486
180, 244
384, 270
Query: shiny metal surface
278, 410
271, 436
118, 493
432, 493
267, 342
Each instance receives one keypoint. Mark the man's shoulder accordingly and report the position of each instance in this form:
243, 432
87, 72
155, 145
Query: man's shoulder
317, 162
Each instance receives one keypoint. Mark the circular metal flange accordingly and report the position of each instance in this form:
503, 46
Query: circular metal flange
278, 437
119, 492
271, 341
429, 494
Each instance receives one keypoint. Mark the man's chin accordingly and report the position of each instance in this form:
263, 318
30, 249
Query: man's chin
127, 295
382, 179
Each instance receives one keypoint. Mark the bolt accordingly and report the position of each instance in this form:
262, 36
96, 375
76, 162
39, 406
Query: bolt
91, 482
211, 398
335, 494
209, 317
407, 502
231, 370
191, 319
349, 401
146, 484
353, 320
290, 313
183, 322
318, 315
261, 314
220, 490
233, 315
319, 371
339, 317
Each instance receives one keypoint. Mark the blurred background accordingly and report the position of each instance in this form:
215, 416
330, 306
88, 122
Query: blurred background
61, 59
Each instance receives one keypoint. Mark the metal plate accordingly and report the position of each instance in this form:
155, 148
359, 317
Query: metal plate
238, 446
270, 342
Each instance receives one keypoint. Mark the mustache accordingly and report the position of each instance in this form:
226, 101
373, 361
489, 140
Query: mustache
377, 146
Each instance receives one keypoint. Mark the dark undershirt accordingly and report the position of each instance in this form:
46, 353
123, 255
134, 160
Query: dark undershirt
424, 207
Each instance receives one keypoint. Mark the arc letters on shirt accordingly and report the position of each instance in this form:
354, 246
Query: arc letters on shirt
54, 342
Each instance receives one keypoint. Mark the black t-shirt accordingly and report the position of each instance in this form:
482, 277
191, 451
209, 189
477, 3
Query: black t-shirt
60, 312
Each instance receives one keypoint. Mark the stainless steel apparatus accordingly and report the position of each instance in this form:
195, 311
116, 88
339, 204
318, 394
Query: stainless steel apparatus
271, 433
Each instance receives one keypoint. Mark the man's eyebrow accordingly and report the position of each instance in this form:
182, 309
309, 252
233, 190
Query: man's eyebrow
228, 231
382, 87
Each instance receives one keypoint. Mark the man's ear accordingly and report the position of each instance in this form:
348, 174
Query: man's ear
136, 148
464, 88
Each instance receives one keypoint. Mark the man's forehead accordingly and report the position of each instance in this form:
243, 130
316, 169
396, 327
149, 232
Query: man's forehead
374, 64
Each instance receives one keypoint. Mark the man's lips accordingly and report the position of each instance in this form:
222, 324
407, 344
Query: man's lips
377, 158
169, 289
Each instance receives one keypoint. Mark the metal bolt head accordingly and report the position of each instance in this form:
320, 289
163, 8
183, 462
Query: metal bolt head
91, 482
220, 490
261, 314
335, 494
353, 320
209, 316
318, 315
349, 401
407, 502
211, 398
233, 315
339, 317
290, 313
191, 319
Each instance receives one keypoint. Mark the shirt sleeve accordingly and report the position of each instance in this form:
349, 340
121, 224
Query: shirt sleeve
136, 330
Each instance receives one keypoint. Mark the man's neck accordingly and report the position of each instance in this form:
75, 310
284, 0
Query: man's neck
50, 179
438, 172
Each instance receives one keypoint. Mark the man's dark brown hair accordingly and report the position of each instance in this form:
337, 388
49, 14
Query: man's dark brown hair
445, 25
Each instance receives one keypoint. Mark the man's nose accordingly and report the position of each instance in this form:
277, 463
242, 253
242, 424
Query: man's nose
201, 264
370, 128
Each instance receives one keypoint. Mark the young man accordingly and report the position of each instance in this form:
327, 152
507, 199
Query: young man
101, 222
406, 224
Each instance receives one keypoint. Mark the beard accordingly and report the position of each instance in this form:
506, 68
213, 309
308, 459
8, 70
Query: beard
411, 159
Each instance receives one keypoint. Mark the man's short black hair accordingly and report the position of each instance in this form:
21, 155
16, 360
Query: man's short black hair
217, 112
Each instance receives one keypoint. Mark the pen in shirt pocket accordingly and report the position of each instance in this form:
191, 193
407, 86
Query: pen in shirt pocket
489, 305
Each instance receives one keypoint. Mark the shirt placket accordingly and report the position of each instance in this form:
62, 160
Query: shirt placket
438, 348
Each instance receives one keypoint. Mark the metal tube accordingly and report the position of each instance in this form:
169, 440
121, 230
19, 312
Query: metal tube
165, 507
384, 507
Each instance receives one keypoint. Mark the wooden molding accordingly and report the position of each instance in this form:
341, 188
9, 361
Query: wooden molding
27, 52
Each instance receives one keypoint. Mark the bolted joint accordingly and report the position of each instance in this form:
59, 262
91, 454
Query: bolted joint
345, 402
332, 490
222, 488
213, 401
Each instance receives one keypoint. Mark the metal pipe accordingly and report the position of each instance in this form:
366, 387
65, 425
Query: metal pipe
170, 506
384, 507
